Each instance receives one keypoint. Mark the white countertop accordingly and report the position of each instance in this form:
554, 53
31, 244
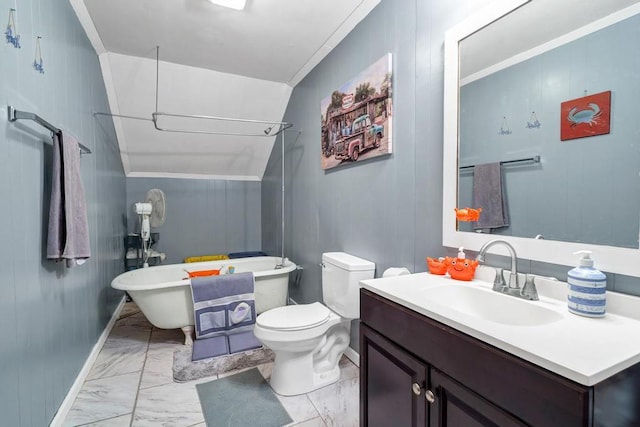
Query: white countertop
585, 350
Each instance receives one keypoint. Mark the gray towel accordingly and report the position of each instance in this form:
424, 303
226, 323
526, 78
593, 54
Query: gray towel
489, 194
57, 229
68, 235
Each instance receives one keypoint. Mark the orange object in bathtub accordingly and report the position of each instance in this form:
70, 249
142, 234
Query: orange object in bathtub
203, 273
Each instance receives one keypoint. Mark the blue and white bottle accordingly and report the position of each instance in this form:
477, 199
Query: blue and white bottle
587, 293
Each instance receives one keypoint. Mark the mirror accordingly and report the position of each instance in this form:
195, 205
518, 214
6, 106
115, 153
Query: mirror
503, 96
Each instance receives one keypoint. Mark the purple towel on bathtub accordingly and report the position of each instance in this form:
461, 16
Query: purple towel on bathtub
210, 347
220, 345
224, 314
243, 341
223, 304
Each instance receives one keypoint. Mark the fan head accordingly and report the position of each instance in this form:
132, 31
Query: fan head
156, 199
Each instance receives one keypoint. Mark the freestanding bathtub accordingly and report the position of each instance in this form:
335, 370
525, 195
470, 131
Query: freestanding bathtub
163, 293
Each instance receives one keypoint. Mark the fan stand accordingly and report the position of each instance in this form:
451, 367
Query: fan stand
145, 234
144, 212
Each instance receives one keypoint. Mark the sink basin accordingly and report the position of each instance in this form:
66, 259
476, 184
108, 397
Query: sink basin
541, 332
492, 306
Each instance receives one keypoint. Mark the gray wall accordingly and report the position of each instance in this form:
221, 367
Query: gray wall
52, 316
368, 209
387, 210
575, 194
203, 216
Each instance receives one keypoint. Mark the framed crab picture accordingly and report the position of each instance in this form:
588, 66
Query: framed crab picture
586, 116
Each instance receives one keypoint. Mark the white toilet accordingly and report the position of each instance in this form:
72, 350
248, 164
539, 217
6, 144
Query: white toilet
309, 339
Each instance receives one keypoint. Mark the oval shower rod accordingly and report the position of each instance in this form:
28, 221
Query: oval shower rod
279, 127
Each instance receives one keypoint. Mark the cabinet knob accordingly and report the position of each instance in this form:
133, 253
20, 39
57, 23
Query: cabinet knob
416, 389
429, 396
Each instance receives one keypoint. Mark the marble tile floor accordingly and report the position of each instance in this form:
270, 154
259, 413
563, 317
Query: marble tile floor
131, 384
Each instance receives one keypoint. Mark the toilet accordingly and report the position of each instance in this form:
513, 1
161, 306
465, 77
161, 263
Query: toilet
309, 339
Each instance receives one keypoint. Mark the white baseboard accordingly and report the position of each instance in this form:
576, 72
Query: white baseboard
65, 407
352, 355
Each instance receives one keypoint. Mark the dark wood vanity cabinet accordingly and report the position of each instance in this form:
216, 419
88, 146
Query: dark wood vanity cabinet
400, 390
392, 383
415, 371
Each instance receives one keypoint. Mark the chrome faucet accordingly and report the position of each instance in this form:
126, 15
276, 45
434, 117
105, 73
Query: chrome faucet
527, 291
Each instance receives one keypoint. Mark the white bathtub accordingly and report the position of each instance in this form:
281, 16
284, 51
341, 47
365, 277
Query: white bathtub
163, 292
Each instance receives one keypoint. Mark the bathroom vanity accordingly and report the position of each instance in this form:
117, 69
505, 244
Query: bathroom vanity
432, 362
436, 351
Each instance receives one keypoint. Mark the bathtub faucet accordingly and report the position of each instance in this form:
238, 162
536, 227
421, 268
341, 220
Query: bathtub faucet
281, 265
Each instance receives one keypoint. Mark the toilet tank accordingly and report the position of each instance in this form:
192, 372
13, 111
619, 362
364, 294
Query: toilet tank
341, 275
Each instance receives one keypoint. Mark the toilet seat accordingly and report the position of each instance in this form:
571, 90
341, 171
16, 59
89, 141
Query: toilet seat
294, 317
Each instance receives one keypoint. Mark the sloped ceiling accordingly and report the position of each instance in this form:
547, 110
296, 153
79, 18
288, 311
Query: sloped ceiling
213, 61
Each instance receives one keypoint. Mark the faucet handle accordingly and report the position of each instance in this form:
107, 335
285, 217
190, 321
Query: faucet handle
529, 290
498, 282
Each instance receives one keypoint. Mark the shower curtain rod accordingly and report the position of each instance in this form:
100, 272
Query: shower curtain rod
281, 126
267, 132
123, 116
14, 115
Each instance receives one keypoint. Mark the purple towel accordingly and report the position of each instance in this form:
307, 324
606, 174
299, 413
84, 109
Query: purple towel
210, 347
223, 304
68, 235
243, 341
220, 345
224, 313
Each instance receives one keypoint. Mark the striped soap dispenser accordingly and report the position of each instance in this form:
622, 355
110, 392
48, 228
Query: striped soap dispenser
587, 294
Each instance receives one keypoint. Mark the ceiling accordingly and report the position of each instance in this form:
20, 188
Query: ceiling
539, 24
207, 60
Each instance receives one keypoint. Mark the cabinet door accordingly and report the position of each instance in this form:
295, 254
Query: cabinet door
392, 383
456, 406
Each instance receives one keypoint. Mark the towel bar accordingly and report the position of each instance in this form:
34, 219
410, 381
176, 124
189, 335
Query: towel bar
14, 115
534, 159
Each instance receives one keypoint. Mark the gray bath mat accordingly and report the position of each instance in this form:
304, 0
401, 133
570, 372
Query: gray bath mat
186, 370
241, 400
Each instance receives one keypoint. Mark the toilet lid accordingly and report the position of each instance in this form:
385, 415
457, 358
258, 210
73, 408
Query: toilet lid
294, 317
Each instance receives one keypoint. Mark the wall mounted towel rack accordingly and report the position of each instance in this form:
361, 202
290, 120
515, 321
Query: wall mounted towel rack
533, 159
22, 115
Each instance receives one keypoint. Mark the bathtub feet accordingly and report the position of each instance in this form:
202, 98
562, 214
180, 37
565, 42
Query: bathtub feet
188, 333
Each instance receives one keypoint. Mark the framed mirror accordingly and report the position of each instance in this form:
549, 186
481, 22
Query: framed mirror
508, 71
